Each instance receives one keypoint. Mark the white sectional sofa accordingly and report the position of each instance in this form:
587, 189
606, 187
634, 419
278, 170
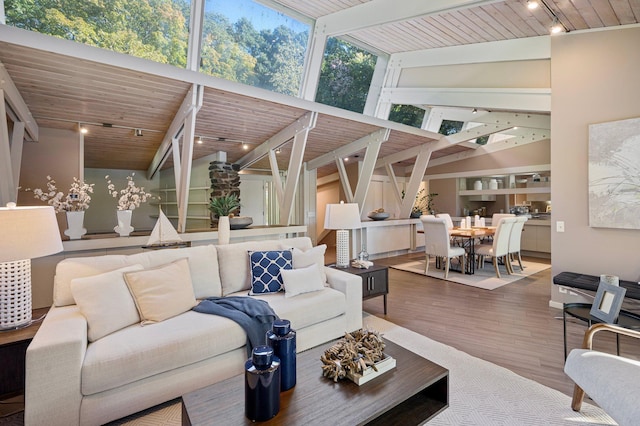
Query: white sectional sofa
71, 380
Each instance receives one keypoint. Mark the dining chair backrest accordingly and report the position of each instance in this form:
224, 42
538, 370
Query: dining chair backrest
436, 236
502, 235
495, 219
515, 236
447, 218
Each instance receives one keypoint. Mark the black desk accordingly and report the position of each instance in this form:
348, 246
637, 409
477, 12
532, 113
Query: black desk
582, 311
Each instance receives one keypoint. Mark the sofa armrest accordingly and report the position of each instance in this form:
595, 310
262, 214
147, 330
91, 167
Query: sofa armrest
54, 367
351, 286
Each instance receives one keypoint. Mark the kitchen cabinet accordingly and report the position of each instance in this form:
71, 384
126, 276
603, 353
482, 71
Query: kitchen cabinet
536, 236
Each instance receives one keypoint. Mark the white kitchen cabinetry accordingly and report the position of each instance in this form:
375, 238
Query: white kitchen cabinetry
536, 236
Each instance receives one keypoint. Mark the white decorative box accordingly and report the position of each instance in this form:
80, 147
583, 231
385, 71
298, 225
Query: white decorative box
385, 364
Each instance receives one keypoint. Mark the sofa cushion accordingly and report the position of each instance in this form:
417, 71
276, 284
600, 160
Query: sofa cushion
162, 292
136, 352
233, 261
306, 309
203, 265
105, 301
301, 280
266, 270
314, 255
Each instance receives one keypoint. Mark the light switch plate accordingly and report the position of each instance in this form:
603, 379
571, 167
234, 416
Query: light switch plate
560, 226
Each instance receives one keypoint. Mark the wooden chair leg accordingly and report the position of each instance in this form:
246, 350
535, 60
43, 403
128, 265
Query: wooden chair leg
495, 265
507, 264
520, 262
578, 397
426, 264
446, 270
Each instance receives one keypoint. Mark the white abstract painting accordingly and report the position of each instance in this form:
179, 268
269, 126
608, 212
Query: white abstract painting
614, 174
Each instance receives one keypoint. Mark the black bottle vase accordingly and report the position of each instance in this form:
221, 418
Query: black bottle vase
262, 385
283, 341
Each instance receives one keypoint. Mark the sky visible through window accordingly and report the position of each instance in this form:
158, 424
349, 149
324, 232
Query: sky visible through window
260, 16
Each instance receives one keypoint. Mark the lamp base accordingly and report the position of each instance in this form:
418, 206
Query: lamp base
342, 248
15, 294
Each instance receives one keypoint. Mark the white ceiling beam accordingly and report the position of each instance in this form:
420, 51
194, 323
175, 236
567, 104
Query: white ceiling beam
17, 142
186, 160
380, 12
7, 190
517, 119
397, 191
518, 99
344, 181
192, 100
17, 104
366, 170
348, 149
304, 123
522, 49
477, 132
293, 175
313, 63
417, 174
194, 52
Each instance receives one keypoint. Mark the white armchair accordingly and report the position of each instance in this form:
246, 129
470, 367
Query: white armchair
612, 382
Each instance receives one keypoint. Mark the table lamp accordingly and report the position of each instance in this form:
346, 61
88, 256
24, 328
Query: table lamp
26, 233
342, 217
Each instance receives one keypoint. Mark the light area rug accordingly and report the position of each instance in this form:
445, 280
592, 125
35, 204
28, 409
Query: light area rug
480, 393
483, 278
483, 393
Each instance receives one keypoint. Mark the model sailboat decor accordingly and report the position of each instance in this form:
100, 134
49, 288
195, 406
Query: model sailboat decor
164, 235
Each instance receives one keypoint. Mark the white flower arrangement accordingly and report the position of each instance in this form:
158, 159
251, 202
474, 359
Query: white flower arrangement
77, 199
131, 196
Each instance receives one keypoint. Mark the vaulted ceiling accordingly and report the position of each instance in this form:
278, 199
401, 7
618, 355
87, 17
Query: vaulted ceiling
64, 84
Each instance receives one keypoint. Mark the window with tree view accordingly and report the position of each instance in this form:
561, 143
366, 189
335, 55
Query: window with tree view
249, 43
151, 29
345, 76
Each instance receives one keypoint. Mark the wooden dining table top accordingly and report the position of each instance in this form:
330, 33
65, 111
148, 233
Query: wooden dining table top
474, 231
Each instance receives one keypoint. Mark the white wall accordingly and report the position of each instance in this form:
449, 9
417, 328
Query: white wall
595, 80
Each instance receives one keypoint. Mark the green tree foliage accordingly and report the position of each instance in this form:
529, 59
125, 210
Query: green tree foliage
150, 29
450, 127
345, 75
407, 114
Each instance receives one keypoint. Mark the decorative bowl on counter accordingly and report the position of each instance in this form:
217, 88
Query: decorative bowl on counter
240, 222
378, 216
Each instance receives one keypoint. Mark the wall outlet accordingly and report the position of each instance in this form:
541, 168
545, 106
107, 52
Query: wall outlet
560, 226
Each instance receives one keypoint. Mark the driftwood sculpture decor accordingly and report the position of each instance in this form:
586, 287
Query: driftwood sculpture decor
353, 354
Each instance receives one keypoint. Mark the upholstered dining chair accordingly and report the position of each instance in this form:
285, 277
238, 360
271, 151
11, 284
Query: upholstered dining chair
500, 247
514, 241
436, 243
447, 218
495, 219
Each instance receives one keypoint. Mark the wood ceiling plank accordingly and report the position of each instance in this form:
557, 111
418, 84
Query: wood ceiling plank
588, 13
624, 11
606, 13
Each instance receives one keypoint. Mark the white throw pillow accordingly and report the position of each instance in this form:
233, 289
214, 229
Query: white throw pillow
163, 292
302, 280
105, 301
315, 255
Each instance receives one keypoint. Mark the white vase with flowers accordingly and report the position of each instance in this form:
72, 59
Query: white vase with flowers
129, 198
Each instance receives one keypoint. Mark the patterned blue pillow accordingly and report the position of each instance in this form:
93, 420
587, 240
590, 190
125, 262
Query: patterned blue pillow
265, 270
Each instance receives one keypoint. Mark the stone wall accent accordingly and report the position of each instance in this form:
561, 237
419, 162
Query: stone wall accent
224, 180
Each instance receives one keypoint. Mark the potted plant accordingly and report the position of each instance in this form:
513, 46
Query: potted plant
224, 205
129, 198
222, 208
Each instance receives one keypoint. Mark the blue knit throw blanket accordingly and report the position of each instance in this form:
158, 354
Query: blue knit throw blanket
255, 316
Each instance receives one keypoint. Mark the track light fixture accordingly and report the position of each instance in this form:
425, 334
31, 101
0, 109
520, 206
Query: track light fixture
278, 151
475, 110
245, 146
199, 140
83, 129
138, 132
556, 26
532, 4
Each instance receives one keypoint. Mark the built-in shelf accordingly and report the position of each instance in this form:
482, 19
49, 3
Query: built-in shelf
507, 191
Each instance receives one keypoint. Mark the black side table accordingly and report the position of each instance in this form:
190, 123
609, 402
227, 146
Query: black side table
582, 311
375, 281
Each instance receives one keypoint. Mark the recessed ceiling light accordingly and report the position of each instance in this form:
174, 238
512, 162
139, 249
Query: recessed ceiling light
245, 146
83, 130
532, 4
199, 140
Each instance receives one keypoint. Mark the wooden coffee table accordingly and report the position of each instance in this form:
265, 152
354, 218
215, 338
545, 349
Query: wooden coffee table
413, 392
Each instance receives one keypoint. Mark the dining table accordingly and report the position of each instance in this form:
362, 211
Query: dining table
466, 238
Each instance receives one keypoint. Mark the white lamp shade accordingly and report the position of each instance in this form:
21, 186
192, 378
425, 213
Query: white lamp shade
342, 216
28, 232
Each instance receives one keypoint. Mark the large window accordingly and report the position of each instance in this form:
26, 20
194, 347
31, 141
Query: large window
345, 76
246, 42
150, 29
407, 114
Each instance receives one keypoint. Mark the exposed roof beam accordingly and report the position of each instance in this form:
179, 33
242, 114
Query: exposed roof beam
17, 104
348, 149
477, 132
304, 123
193, 100
518, 99
380, 12
518, 119
417, 174
523, 49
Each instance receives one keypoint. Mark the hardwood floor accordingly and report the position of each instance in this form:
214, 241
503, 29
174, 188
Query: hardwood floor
512, 326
